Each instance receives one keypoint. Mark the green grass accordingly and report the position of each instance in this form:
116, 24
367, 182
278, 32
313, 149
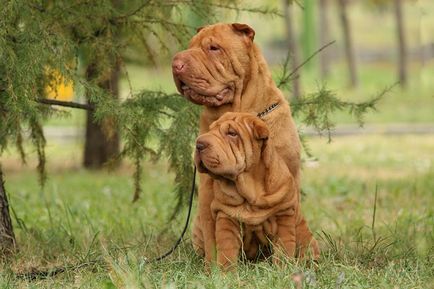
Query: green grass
83, 216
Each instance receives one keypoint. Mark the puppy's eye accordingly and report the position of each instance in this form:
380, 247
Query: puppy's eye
213, 47
232, 133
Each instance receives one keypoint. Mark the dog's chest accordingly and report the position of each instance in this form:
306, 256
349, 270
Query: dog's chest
262, 233
227, 194
228, 201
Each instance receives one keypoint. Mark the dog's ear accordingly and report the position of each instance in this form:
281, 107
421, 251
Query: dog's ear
260, 129
261, 132
198, 29
245, 29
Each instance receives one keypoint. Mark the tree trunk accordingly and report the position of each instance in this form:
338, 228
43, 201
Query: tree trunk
292, 47
324, 38
7, 237
349, 49
402, 50
309, 32
102, 142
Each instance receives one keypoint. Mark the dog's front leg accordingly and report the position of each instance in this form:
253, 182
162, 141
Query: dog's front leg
228, 238
306, 241
285, 240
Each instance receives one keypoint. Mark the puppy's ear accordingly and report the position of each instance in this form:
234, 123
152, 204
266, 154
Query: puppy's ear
260, 130
245, 29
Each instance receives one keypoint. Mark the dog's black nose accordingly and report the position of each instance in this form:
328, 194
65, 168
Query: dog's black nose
201, 145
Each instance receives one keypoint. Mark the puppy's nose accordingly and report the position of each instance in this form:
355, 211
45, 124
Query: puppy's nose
201, 145
178, 65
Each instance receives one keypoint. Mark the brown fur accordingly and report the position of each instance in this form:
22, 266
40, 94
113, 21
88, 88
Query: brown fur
225, 71
255, 199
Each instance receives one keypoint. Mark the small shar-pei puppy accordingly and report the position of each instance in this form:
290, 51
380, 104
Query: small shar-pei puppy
255, 202
224, 71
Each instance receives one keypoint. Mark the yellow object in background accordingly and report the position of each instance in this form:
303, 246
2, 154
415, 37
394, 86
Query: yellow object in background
59, 88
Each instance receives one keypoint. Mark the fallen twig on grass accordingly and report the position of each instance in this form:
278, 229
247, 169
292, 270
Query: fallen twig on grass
36, 274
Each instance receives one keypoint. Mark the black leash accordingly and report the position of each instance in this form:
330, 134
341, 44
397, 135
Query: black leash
190, 205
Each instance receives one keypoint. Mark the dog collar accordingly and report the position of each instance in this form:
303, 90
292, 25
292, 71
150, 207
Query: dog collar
268, 110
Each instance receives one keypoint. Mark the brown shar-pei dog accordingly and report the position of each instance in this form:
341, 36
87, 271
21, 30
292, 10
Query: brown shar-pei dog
224, 71
255, 201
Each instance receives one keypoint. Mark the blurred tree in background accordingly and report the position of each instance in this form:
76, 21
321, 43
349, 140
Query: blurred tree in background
288, 12
396, 6
402, 47
324, 36
7, 236
308, 36
348, 42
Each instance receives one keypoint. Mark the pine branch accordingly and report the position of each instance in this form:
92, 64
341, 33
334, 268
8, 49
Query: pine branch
134, 12
285, 78
65, 103
259, 10
223, 6
317, 109
39, 142
311, 56
299, 4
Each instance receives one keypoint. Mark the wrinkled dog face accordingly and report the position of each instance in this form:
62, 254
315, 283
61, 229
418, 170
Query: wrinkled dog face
232, 146
215, 64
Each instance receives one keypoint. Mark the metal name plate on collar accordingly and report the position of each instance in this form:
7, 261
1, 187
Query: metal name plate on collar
268, 110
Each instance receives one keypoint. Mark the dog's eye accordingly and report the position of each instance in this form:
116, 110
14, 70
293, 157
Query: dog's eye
214, 48
232, 133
